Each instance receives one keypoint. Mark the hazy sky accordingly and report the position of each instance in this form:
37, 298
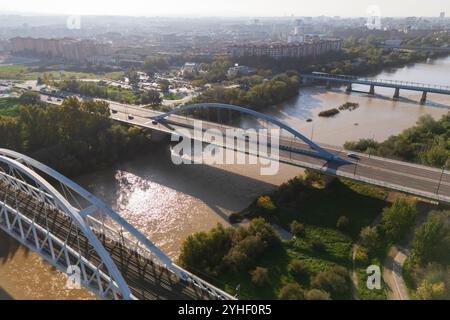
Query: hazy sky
228, 7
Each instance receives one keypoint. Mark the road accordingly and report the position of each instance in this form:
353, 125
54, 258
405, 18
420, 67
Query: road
418, 180
423, 181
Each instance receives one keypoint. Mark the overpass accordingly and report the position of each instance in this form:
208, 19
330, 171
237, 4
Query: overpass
422, 181
82, 237
329, 79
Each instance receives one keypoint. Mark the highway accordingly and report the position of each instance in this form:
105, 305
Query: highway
422, 181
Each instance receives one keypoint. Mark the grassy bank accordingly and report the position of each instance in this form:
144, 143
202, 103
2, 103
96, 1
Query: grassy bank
319, 254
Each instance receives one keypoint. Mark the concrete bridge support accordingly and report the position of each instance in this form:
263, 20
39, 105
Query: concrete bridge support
328, 84
397, 93
372, 89
349, 88
424, 98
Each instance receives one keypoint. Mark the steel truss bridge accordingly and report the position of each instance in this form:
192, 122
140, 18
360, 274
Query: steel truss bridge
329, 79
73, 230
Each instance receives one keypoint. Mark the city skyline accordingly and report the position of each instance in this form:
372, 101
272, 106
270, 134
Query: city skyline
232, 8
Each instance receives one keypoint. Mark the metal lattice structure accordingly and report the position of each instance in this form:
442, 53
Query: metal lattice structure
68, 226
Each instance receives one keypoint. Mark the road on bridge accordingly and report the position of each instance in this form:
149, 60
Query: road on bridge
423, 181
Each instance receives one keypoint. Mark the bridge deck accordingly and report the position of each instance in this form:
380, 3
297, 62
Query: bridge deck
401, 176
146, 279
405, 85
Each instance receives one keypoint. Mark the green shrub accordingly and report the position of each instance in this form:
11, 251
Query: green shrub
297, 228
260, 276
334, 280
297, 269
315, 294
342, 223
291, 291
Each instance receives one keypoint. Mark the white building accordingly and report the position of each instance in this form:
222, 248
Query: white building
189, 67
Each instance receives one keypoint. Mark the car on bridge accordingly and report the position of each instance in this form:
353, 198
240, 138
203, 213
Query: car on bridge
353, 156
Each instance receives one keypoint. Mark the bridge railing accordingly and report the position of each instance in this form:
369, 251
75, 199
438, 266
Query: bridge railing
125, 239
376, 81
356, 177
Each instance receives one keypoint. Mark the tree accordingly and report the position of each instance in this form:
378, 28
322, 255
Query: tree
133, 79
398, 219
297, 228
431, 291
334, 280
297, 269
30, 97
370, 238
432, 239
204, 251
342, 223
260, 276
151, 97
315, 294
291, 291
265, 204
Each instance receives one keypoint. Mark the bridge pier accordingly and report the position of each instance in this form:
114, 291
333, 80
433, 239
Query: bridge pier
397, 93
349, 88
328, 84
372, 89
424, 98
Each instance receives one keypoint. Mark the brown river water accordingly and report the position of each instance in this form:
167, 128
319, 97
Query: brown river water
168, 202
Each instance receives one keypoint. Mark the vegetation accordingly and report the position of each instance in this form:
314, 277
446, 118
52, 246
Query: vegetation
427, 269
101, 90
9, 106
329, 113
268, 93
398, 219
72, 138
427, 143
349, 106
49, 73
303, 267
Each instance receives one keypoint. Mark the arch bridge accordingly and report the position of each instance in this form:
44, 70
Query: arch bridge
80, 235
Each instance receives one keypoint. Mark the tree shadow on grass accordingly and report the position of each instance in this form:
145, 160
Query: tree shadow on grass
323, 207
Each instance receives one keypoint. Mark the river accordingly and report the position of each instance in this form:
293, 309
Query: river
168, 202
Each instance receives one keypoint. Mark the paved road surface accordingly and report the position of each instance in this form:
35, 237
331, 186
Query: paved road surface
401, 176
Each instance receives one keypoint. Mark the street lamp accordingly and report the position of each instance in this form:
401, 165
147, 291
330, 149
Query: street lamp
356, 165
440, 180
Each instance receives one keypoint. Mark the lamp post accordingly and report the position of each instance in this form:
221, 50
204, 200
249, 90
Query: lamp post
356, 166
440, 180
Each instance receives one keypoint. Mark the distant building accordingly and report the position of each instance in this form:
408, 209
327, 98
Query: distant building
442, 15
240, 71
189, 67
65, 48
284, 50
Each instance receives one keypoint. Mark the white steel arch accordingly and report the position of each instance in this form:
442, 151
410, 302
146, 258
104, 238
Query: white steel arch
86, 219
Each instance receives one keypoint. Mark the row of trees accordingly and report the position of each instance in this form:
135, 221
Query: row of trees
267, 93
428, 143
397, 221
428, 267
76, 137
101, 90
